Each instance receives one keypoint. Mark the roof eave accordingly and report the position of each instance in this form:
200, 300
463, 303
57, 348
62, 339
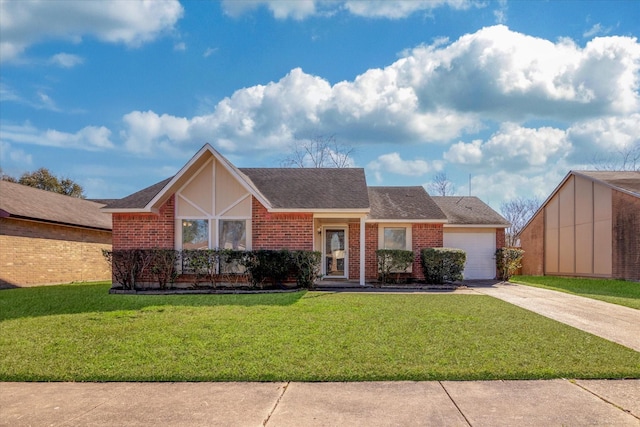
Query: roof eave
409, 220
457, 225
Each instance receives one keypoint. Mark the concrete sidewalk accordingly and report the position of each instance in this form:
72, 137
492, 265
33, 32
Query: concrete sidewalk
437, 403
610, 321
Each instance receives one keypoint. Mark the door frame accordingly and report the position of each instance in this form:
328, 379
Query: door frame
344, 228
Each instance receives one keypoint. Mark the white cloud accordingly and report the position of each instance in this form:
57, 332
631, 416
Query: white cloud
180, 47
16, 156
605, 134
465, 153
90, 138
393, 163
281, 9
130, 22
513, 146
302, 9
66, 60
512, 76
596, 30
209, 51
435, 93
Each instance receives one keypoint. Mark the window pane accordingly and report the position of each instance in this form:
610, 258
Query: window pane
395, 238
233, 235
195, 234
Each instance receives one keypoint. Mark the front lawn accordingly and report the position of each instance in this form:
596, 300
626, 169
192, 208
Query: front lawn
614, 291
82, 333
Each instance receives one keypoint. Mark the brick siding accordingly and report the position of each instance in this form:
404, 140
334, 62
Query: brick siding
34, 253
532, 242
500, 238
145, 230
292, 231
626, 236
424, 236
354, 250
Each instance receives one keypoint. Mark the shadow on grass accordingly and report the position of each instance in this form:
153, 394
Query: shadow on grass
92, 298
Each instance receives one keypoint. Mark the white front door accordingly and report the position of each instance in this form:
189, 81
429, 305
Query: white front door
334, 252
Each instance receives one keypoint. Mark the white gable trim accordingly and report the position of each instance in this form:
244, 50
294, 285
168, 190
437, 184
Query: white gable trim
242, 179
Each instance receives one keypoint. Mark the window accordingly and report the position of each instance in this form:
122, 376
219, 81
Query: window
233, 235
195, 234
394, 238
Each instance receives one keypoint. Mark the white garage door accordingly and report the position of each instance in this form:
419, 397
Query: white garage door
480, 247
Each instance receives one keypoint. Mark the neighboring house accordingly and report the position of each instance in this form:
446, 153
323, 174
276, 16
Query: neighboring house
589, 226
477, 229
210, 203
48, 238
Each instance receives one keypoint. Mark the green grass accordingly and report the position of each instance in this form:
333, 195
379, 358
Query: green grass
614, 291
82, 333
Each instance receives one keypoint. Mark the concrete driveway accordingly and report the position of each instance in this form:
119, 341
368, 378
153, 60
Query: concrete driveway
434, 403
610, 321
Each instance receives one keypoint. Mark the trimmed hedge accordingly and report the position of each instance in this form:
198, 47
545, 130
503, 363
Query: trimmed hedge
393, 262
442, 265
262, 267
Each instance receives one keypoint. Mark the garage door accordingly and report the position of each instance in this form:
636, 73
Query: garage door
480, 247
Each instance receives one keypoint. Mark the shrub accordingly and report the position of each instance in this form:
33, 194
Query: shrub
201, 263
127, 265
441, 265
306, 266
393, 261
508, 261
267, 265
163, 265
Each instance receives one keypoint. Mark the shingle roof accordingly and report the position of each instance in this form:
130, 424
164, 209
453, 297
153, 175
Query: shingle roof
311, 188
468, 211
21, 201
403, 203
139, 199
628, 181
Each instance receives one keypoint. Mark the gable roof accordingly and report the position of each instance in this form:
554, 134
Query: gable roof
404, 203
463, 210
625, 181
139, 199
311, 188
23, 202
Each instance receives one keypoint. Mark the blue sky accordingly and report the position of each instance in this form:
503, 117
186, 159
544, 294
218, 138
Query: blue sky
118, 95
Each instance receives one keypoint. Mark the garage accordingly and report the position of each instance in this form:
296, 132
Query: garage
480, 246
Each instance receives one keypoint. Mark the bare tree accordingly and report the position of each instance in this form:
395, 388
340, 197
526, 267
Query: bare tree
624, 159
319, 152
518, 212
441, 186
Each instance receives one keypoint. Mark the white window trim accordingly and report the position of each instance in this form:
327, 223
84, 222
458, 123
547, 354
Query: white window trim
381, 227
408, 236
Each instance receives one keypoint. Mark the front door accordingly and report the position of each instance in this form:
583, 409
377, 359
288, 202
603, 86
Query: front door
335, 252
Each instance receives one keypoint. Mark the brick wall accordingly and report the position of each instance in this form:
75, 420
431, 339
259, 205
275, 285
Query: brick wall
371, 245
532, 242
626, 236
145, 230
34, 253
500, 238
424, 236
354, 250
292, 231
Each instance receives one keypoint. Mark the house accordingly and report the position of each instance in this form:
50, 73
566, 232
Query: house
589, 227
210, 203
48, 238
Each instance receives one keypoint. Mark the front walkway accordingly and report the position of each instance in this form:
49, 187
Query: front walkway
610, 321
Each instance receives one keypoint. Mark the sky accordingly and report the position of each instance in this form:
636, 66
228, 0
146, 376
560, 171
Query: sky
505, 97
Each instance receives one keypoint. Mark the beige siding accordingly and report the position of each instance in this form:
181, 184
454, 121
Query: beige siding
551, 235
228, 191
198, 191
